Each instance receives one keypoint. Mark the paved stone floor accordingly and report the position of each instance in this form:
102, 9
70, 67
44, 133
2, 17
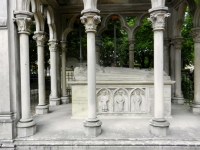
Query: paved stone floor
58, 126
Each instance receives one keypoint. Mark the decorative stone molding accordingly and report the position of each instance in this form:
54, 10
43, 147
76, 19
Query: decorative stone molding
63, 45
90, 21
157, 19
178, 43
23, 24
196, 35
53, 46
40, 38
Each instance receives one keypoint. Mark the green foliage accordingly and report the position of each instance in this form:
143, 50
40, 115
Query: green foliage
144, 45
73, 40
107, 48
187, 86
131, 21
187, 51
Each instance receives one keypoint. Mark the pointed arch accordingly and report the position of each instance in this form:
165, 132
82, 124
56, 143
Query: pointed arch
51, 23
70, 27
196, 21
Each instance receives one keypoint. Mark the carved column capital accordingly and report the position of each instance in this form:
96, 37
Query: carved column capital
23, 24
196, 35
63, 45
53, 45
40, 38
178, 43
157, 19
90, 20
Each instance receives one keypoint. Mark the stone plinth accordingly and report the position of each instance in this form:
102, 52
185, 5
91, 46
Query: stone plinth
40, 110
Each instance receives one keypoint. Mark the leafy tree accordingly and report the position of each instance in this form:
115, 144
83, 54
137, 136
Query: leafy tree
144, 45
107, 48
187, 50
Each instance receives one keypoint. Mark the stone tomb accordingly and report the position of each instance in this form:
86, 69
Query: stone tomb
120, 91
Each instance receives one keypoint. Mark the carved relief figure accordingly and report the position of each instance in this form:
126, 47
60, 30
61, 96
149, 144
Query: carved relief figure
104, 99
138, 101
120, 101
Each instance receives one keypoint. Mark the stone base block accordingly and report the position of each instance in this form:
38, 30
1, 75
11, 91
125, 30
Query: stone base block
178, 100
92, 127
65, 100
6, 129
159, 127
41, 110
54, 101
25, 129
195, 108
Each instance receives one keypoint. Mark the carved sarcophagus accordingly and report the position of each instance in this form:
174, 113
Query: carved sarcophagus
119, 92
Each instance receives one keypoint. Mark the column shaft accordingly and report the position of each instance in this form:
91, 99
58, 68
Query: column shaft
54, 100
178, 98
25, 76
41, 76
197, 73
54, 92
64, 98
91, 61
158, 74
131, 53
195, 106
42, 107
172, 67
64, 73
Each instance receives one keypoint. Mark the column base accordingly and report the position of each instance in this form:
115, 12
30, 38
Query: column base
92, 127
42, 109
159, 127
178, 100
54, 101
25, 129
65, 100
195, 108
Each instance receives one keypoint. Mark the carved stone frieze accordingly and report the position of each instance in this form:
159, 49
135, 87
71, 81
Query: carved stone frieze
121, 100
157, 20
40, 38
90, 21
138, 102
23, 24
53, 46
104, 100
196, 35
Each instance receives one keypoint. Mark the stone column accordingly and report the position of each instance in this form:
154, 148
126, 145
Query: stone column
92, 124
178, 97
42, 107
166, 55
53, 47
172, 66
26, 126
98, 47
64, 98
195, 106
131, 53
158, 125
